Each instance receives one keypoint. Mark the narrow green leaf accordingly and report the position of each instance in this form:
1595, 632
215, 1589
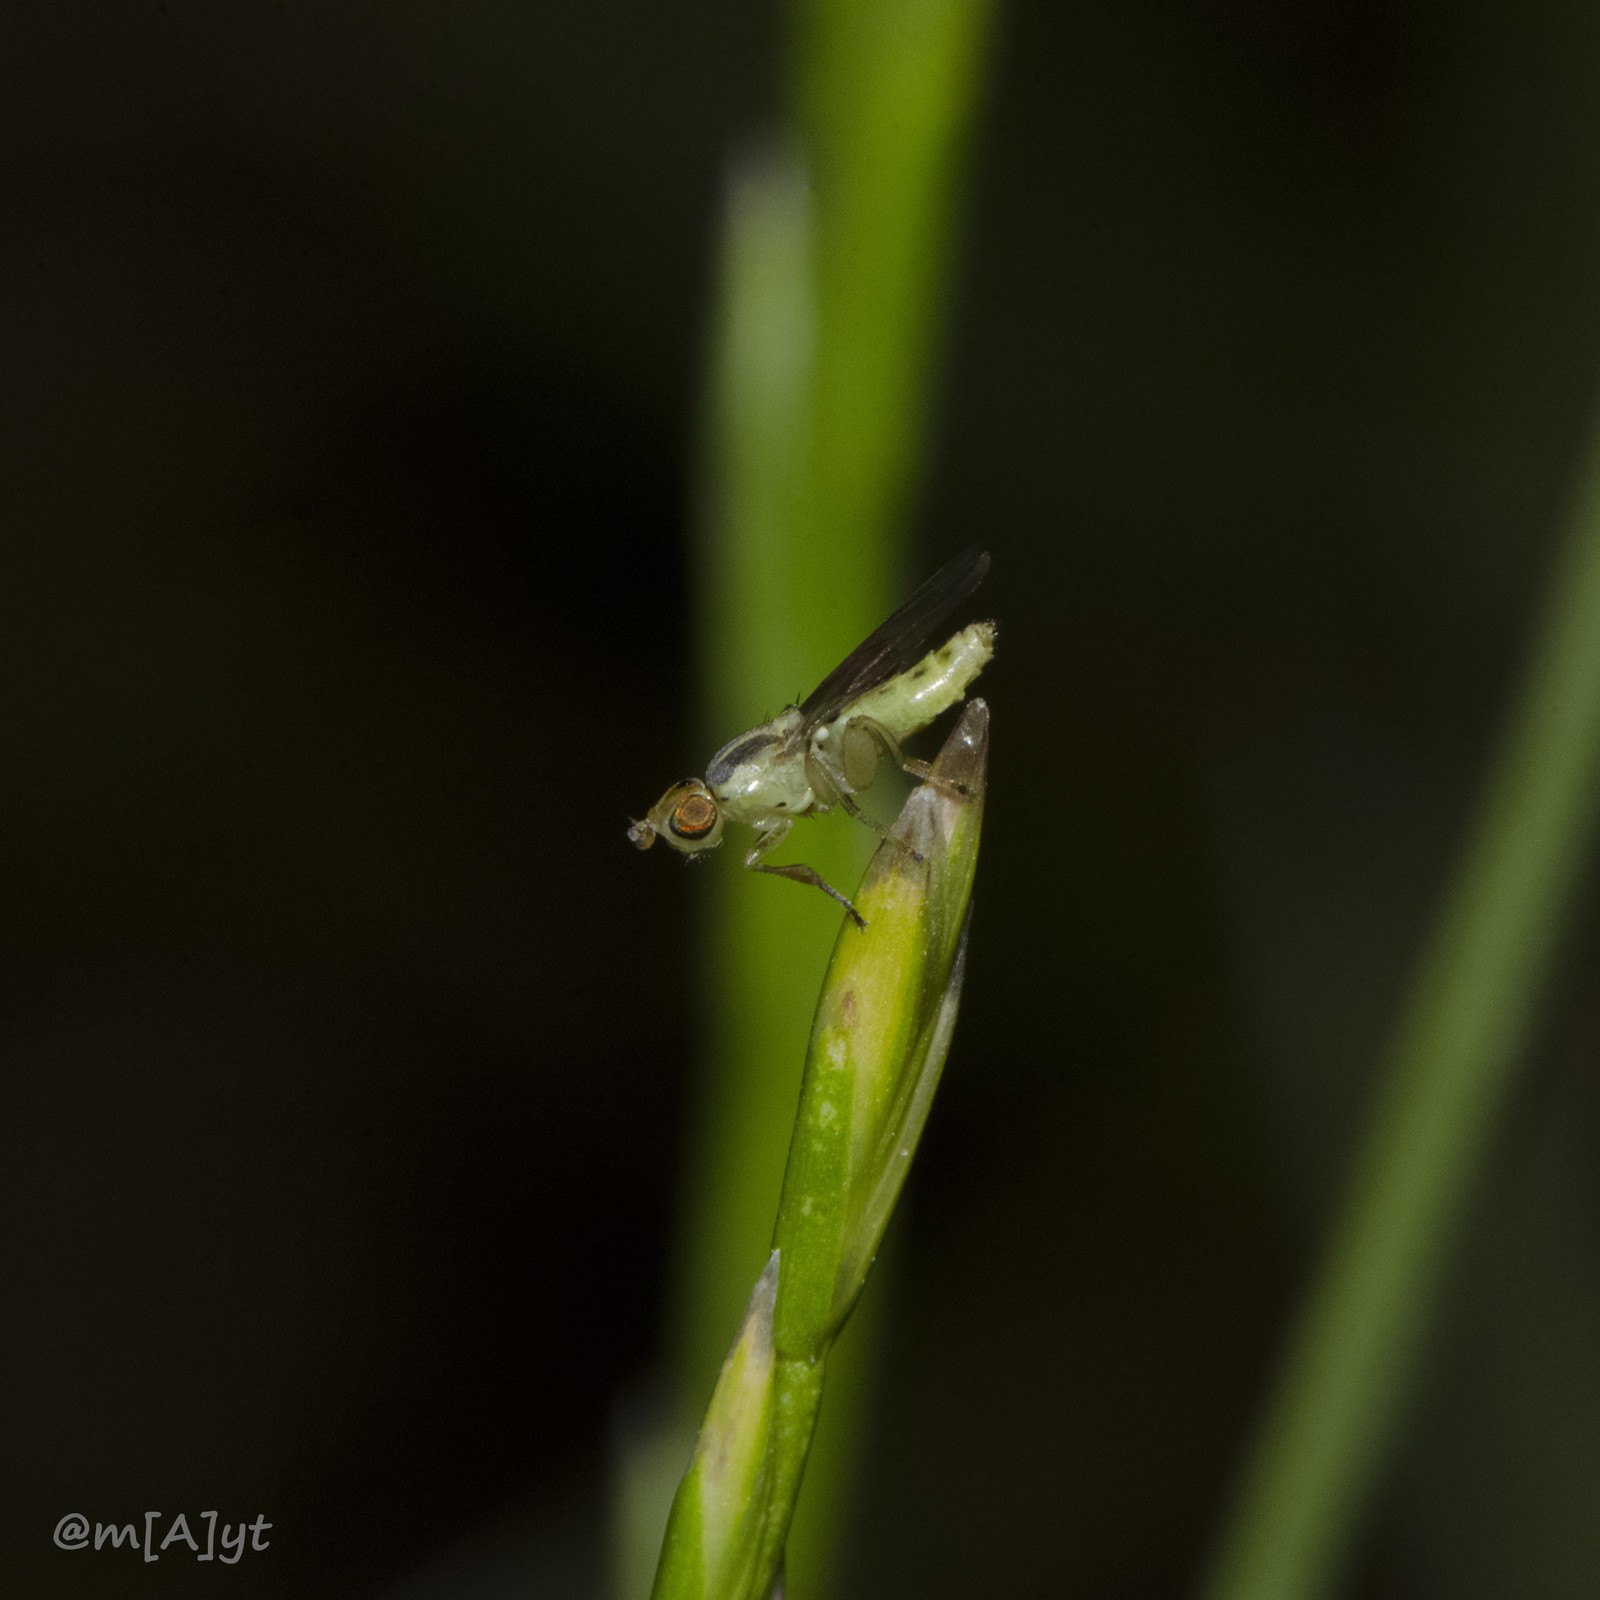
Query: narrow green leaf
714, 1530
1353, 1362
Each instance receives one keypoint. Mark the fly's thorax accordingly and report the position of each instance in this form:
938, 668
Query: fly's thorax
762, 774
913, 698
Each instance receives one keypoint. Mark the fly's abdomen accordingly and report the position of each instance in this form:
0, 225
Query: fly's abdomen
938, 681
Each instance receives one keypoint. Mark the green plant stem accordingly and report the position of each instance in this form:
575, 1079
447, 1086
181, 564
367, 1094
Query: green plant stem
1353, 1359
797, 1400
836, 263
886, 98
878, 1044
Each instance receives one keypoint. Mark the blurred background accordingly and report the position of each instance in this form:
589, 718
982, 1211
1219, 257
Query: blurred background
354, 376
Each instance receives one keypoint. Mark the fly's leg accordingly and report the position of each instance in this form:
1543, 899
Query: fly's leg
920, 770
835, 788
923, 773
769, 839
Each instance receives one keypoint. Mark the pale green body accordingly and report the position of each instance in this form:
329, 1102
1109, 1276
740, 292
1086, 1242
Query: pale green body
790, 768
907, 704
779, 770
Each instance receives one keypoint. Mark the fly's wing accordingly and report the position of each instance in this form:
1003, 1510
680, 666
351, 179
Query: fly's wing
899, 642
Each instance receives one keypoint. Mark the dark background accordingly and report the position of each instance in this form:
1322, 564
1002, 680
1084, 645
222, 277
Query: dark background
351, 366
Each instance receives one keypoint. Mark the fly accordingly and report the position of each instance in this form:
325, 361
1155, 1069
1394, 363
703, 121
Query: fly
825, 751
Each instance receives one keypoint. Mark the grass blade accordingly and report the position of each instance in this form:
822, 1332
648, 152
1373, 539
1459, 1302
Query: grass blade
1352, 1361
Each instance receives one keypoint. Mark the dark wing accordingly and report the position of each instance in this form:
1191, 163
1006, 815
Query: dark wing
900, 642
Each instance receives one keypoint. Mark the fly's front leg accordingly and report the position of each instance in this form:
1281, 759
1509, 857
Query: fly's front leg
769, 839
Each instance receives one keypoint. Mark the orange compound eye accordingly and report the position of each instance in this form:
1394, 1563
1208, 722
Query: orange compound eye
693, 817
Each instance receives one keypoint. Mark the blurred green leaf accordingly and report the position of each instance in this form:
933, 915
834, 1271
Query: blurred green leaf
1353, 1361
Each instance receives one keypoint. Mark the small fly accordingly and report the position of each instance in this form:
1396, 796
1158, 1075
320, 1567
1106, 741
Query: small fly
824, 752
